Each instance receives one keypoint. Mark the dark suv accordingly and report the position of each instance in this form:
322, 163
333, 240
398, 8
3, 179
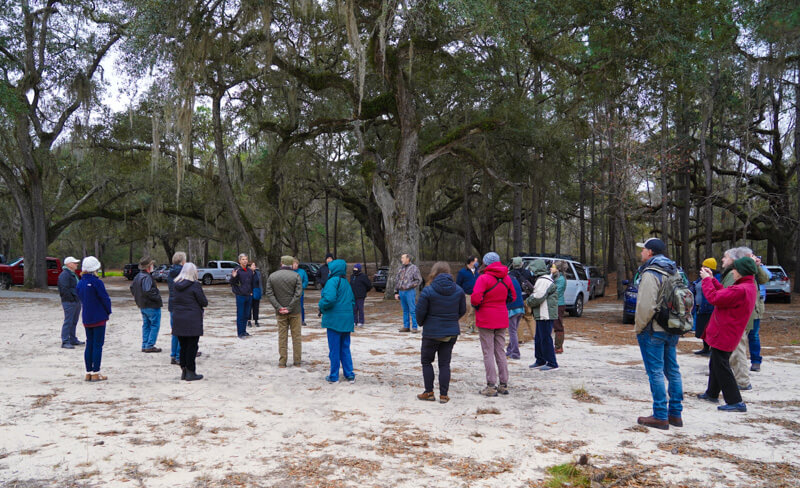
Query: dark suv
312, 270
130, 271
379, 279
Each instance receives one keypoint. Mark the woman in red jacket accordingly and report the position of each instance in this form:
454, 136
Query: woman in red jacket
733, 306
493, 289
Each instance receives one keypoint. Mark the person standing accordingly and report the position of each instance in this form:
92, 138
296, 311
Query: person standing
148, 299
753, 337
557, 272
336, 305
323, 272
527, 324
361, 285
304, 278
658, 348
178, 260
733, 307
493, 291
516, 310
703, 308
188, 307
405, 290
466, 280
257, 292
96, 311
283, 289
70, 302
242, 287
438, 309
544, 304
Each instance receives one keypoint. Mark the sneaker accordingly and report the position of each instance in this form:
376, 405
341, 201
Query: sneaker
756, 367
653, 422
415, 330
444, 398
675, 421
427, 396
489, 391
704, 396
174, 361
67, 345
404, 329
304, 324
78, 343
331, 380
88, 377
249, 323
536, 365
703, 352
351, 380
152, 349
547, 367
98, 377
746, 388
736, 407
255, 324
281, 366
502, 389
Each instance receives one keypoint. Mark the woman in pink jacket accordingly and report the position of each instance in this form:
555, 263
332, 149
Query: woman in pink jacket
732, 309
493, 290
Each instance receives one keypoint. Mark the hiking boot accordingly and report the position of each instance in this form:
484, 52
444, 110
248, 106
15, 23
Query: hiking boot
653, 422
502, 389
183, 373
427, 396
255, 324
704, 396
152, 349
88, 377
330, 379
78, 343
404, 329
703, 352
415, 330
736, 407
67, 345
192, 376
756, 367
489, 391
249, 323
444, 398
174, 361
98, 377
675, 421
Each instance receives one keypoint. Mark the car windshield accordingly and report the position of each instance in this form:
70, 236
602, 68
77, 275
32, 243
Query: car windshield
777, 274
15, 262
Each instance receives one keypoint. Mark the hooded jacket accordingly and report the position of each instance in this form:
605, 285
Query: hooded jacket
95, 302
647, 296
490, 300
284, 288
360, 284
561, 288
439, 307
68, 285
733, 306
337, 301
145, 291
543, 302
188, 303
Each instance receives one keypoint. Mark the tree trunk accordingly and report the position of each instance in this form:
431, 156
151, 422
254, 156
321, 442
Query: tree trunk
517, 220
797, 173
582, 207
532, 219
466, 214
336, 229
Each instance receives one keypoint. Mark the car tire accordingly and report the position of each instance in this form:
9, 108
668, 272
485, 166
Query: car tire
5, 281
788, 299
628, 318
577, 311
208, 279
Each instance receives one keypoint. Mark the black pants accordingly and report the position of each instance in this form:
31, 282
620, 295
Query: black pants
700, 327
444, 351
254, 309
188, 351
721, 378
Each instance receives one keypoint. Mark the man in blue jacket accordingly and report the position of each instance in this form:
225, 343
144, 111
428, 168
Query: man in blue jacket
466, 280
68, 289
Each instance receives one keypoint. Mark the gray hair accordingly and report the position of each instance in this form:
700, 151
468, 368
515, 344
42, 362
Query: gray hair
243, 255
188, 272
738, 252
179, 257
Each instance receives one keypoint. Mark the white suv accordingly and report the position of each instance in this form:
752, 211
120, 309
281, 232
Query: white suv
577, 292
779, 285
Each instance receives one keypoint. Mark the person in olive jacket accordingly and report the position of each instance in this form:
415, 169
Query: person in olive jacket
361, 286
336, 307
439, 308
188, 303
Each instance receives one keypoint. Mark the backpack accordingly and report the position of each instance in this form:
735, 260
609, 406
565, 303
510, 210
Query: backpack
509, 296
675, 303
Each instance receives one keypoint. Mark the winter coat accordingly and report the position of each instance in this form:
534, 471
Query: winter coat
337, 301
95, 302
145, 291
360, 284
466, 279
701, 305
173, 273
439, 307
522, 275
543, 302
242, 283
761, 277
284, 289
647, 296
490, 306
407, 278
303, 278
68, 286
187, 308
732, 309
323, 273
518, 302
257, 279
561, 287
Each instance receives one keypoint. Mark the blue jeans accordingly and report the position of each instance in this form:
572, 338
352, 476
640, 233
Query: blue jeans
544, 350
93, 354
151, 323
302, 309
408, 299
755, 342
72, 311
660, 360
339, 353
175, 351
243, 305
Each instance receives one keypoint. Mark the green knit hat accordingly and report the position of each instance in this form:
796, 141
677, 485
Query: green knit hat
745, 266
516, 262
287, 260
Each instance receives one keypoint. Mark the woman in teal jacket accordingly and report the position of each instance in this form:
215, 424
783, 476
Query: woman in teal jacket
336, 307
559, 268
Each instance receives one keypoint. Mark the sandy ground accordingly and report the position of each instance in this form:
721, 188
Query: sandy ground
249, 423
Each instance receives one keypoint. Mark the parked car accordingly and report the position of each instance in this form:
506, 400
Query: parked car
597, 283
161, 272
577, 292
312, 270
779, 286
216, 271
14, 273
130, 270
632, 290
379, 279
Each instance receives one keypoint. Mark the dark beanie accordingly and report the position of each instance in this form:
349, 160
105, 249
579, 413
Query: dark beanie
330, 255
745, 266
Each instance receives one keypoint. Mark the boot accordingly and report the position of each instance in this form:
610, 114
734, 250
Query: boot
653, 422
192, 376
502, 389
675, 421
98, 377
183, 373
256, 324
427, 396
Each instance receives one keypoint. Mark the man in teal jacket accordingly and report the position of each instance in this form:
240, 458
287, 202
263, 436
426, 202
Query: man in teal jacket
336, 307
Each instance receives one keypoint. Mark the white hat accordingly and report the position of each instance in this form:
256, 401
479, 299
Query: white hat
70, 260
90, 264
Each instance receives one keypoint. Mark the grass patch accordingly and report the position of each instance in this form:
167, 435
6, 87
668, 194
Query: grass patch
581, 395
488, 411
566, 475
113, 273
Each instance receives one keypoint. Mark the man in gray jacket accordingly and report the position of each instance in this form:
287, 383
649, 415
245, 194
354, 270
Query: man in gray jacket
148, 299
283, 289
68, 289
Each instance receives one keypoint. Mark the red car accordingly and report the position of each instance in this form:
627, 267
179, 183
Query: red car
14, 273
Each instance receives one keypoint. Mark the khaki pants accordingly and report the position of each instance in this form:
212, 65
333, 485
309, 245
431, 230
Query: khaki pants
527, 326
739, 362
470, 315
288, 322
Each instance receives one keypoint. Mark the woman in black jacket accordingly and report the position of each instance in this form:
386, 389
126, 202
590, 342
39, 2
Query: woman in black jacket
187, 318
361, 285
439, 307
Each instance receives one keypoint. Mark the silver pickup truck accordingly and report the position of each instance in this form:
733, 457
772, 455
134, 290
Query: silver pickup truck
216, 271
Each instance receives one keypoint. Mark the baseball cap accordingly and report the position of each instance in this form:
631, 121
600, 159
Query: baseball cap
654, 244
70, 260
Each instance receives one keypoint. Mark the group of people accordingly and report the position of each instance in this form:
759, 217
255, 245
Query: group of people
728, 309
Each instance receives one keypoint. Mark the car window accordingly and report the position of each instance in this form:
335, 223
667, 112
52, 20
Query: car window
51, 264
570, 273
582, 275
777, 274
212, 264
226, 265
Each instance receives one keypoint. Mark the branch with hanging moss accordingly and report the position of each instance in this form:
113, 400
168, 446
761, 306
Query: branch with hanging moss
446, 144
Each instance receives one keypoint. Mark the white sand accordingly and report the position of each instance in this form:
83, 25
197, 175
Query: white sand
249, 423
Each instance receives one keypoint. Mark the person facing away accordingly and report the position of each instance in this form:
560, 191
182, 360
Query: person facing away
516, 310
544, 305
257, 292
178, 260
148, 299
187, 311
702, 307
466, 280
557, 271
283, 289
242, 287
336, 305
70, 302
439, 307
658, 347
361, 285
96, 305
406, 282
303, 276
